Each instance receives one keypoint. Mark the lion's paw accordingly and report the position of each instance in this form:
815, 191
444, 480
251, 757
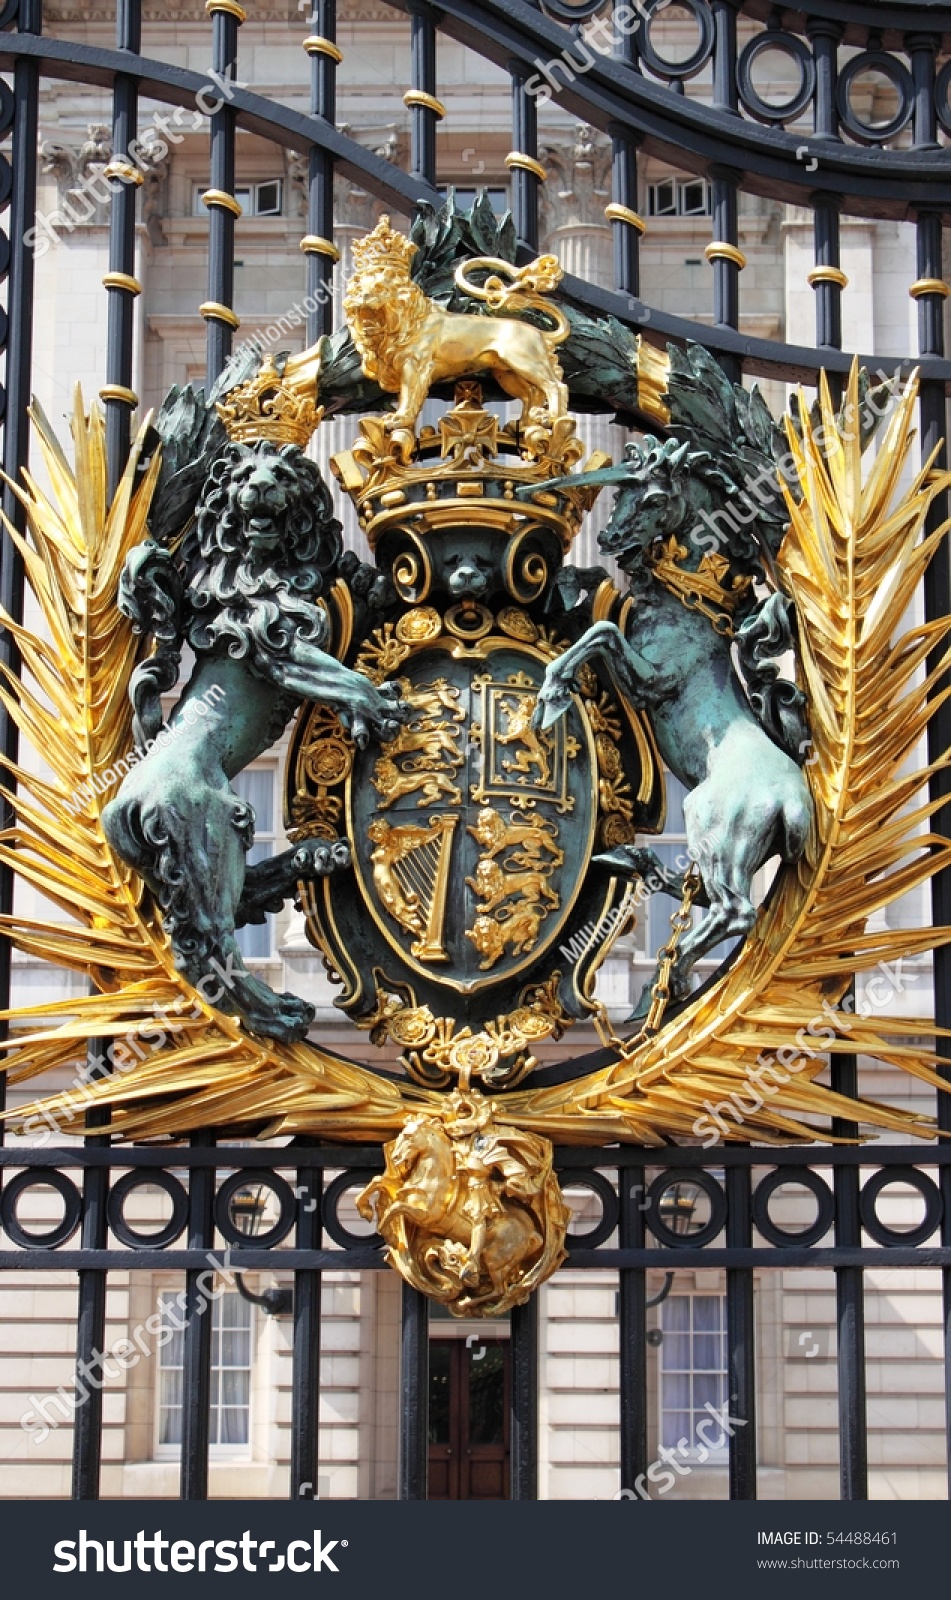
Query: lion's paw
317, 858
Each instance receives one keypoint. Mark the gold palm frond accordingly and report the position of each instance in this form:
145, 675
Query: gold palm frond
852, 559
72, 707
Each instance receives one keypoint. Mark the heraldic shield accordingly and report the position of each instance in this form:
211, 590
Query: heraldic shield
472, 833
479, 886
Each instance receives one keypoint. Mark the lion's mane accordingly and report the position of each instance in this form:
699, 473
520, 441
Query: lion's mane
385, 311
244, 600
220, 595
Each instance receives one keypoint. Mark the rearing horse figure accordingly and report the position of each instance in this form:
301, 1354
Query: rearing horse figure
748, 800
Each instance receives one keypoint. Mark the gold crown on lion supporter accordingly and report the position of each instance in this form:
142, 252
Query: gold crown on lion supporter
268, 408
383, 247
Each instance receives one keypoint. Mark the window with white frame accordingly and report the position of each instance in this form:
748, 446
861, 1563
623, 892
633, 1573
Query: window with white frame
257, 787
466, 198
264, 199
679, 197
692, 1370
231, 1329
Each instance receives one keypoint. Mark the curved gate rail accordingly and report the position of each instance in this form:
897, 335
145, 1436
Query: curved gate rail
630, 91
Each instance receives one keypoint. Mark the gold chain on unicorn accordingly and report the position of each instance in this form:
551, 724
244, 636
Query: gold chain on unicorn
660, 990
704, 590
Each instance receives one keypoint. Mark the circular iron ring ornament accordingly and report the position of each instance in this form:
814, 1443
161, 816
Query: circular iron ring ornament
252, 1179
353, 1178
942, 97
807, 1179
160, 1237
36, 1178
704, 1181
787, 44
566, 11
898, 75
661, 66
892, 1238
581, 1178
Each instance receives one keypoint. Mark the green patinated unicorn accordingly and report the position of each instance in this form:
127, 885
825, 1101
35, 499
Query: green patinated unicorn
697, 535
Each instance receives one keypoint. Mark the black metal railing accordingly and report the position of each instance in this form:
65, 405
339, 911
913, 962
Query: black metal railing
634, 95
632, 1235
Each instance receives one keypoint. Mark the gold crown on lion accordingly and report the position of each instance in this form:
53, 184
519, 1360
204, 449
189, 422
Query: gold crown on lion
385, 246
267, 407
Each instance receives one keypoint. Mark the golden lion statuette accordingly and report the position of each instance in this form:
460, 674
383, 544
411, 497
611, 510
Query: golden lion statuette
469, 1207
408, 343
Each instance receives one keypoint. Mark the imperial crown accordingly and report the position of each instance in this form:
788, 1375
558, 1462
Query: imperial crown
268, 407
468, 470
384, 247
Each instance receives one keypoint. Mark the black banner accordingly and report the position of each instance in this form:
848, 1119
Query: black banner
464, 1550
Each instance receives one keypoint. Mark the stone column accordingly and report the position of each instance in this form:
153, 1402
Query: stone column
575, 229
356, 212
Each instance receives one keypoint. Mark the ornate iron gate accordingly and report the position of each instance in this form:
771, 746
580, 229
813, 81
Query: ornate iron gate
634, 95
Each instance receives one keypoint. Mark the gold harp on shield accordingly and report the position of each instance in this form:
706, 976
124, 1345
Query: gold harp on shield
411, 875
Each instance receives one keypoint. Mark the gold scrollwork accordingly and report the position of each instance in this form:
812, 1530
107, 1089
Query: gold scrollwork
324, 763
615, 799
436, 1050
315, 816
525, 571
384, 652
413, 571
397, 1014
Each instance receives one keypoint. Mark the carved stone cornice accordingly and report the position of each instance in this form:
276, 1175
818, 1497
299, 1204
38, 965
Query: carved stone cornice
367, 11
355, 207
65, 11
160, 11
84, 192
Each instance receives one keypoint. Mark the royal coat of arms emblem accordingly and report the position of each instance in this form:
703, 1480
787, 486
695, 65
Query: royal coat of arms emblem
480, 732
472, 830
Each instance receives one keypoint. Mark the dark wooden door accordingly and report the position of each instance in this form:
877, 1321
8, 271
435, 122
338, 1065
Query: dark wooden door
468, 1420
